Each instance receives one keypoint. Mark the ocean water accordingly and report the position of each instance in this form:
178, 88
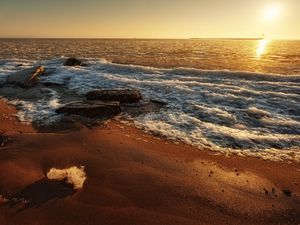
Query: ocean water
229, 96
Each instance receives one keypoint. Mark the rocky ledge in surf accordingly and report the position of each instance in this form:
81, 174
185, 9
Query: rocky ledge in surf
111, 103
142, 107
94, 105
93, 109
73, 62
26, 78
120, 95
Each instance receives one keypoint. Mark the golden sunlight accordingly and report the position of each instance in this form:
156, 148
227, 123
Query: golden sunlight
272, 12
261, 48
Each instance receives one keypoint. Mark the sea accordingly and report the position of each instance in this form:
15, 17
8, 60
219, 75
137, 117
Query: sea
229, 96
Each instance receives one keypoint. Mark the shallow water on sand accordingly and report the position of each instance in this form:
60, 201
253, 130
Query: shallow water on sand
222, 109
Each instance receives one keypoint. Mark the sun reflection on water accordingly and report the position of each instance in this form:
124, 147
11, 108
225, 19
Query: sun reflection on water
261, 48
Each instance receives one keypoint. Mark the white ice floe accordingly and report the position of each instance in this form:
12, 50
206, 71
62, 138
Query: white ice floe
73, 175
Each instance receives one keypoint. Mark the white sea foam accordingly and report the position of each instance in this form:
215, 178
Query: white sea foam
73, 175
240, 112
40, 111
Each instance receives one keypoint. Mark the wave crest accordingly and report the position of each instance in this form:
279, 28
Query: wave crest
229, 111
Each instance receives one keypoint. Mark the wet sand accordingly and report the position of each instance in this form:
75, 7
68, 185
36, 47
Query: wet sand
134, 178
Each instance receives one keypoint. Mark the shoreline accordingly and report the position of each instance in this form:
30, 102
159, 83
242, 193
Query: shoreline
136, 178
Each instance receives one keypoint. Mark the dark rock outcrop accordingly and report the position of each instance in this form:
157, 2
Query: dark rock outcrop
73, 62
158, 102
32, 94
3, 140
142, 107
287, 192
52, 84
120, 95
26, 78
92, 109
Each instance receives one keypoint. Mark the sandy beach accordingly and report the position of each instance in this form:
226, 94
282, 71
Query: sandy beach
136, 178
140, 112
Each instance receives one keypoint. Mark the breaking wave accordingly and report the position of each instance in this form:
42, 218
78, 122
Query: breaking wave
240, 112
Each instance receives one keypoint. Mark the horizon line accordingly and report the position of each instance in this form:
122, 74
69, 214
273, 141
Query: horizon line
159, 38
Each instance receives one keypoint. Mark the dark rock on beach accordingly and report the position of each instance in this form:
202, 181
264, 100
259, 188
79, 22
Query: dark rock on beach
26, 78
120, 95
93, 109
3, 140
287, 192
52, 84
73, 62
35, 93
158, 102
142, 107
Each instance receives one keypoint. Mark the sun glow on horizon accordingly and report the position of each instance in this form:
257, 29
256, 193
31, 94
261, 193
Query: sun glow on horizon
272, 12
155, 19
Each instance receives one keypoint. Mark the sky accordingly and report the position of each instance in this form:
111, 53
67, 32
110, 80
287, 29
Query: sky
277, 19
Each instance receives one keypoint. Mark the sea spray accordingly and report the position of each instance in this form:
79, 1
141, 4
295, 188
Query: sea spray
245, 113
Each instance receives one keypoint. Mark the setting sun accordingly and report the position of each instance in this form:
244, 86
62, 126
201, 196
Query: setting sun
272, 12
149, 112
